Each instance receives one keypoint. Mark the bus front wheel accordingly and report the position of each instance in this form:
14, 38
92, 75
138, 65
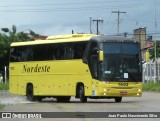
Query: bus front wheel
29, 93
82, 96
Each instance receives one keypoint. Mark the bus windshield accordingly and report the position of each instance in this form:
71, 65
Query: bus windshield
121, 62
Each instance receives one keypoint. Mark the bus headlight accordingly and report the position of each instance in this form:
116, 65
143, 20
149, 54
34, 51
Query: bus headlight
139, 90
105, 90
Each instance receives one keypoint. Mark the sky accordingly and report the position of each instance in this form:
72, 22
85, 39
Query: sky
52, 17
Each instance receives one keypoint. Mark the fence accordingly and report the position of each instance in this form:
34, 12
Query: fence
4, 75
149, 70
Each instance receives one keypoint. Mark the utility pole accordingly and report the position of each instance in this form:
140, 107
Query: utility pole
118, 19
155, 44
90, 21
98, 21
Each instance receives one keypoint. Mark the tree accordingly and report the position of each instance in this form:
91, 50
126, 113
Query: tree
152, 51
5, 29
12, 33
23, 36
4, 50
6, 38
14, 29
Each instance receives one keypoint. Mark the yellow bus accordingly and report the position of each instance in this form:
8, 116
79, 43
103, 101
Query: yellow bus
79, 65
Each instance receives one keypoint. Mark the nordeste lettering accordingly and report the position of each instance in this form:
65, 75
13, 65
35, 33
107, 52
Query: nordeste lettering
36, 68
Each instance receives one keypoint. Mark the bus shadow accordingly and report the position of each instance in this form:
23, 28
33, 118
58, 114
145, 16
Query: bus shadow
109, 101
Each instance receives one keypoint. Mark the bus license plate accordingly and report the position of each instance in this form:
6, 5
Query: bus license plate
123, 93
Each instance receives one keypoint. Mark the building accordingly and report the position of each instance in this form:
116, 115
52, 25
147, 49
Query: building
140, 35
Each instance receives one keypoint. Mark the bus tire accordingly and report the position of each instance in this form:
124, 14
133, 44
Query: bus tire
118, 99
82, 96
29, 93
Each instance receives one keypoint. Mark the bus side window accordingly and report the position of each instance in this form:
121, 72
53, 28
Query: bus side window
60, 52
50, 52
16, 55
39, 52
26, 53
13, 54
68, 51
79, 48
19, 54
29, 53
78, 53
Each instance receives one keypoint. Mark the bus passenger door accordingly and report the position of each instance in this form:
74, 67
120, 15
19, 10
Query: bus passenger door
94, 66
93, 59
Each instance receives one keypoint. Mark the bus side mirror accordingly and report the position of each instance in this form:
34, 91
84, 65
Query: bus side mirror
101, 56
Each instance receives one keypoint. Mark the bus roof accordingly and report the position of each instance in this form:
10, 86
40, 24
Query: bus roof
57, 39
106, 38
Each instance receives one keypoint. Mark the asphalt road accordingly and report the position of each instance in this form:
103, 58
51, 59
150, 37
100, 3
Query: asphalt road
149, 102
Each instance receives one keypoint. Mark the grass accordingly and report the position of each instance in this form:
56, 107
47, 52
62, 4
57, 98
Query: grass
1, 106
152, 87
4, 86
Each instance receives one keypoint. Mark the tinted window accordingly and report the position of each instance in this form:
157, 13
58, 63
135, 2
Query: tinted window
18, 54
130, 48
39, 52
79, 49
56, 51
111, 47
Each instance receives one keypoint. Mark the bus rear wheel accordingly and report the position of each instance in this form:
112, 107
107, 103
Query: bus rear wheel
29, 93
118, 99
82, 96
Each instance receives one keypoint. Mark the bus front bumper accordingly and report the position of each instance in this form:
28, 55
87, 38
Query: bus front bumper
118, 91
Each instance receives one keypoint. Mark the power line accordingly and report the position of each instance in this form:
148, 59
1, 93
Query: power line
71, 8
59, 4
109, 18
113, 26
